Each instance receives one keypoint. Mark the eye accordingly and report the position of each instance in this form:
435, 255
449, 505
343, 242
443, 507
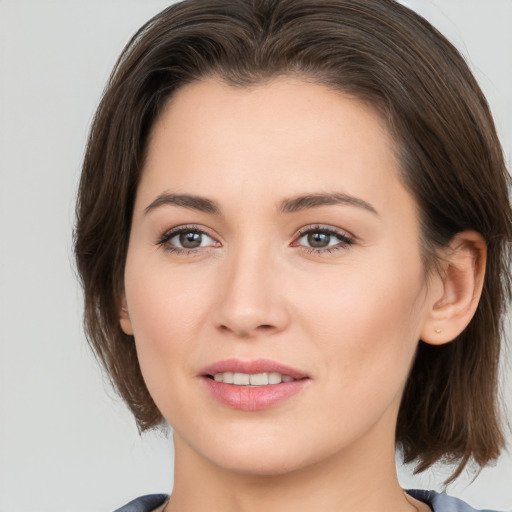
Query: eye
319, 239
186, 238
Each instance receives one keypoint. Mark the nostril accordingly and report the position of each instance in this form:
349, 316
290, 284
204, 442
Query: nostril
247, 333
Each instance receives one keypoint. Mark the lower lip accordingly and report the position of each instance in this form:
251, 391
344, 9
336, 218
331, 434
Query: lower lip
257, 398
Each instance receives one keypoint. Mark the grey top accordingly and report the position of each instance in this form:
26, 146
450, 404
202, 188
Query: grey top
443, 503
437, 502
144, 503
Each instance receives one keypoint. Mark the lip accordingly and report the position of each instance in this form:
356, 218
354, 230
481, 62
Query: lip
252, 366
252, 398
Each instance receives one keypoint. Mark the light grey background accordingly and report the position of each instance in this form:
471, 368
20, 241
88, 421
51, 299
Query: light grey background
65, 443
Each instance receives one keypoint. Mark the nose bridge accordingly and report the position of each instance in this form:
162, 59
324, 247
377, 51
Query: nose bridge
251, 300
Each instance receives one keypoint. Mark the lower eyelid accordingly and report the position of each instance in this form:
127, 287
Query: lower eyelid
164, 241
324, 250
342, 236
344, 240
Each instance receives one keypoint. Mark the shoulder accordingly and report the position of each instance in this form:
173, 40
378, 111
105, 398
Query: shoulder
144, 503
440, 502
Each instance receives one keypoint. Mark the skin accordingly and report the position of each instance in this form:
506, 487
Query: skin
349, 318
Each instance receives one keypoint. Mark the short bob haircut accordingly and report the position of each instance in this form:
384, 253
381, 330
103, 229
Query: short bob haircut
450, 159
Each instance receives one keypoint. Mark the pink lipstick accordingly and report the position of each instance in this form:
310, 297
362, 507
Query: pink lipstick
252, 385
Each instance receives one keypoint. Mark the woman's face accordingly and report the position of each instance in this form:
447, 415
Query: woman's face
272, 235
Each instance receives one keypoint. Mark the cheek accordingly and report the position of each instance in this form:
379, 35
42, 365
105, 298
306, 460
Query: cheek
166, 312
366, 319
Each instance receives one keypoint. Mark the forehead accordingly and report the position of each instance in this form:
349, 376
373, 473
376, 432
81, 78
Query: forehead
282, 137
281, 105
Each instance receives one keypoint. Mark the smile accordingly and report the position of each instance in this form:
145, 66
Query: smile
253, 385
254, 379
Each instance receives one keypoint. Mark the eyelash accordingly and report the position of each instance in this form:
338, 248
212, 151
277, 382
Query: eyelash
182, 251
345, 240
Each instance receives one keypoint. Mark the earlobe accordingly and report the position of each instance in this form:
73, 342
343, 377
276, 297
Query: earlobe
457, 289
124, 318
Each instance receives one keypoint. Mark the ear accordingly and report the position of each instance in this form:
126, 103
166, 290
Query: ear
124, 317
455, 291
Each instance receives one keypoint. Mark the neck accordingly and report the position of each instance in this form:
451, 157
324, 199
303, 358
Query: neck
345, 482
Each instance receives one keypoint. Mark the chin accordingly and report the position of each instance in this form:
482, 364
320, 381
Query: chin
260, 455
261, 466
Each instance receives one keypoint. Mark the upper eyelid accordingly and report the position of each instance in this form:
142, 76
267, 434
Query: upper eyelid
186, 227
304, 229
322, 227
170, 233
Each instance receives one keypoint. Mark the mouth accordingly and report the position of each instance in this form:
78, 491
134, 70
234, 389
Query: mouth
251, 379
252, 385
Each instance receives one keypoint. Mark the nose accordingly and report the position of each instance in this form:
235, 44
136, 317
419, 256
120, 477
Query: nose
251, 296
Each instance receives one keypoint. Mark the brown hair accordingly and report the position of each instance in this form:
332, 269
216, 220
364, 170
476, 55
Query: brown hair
451, 161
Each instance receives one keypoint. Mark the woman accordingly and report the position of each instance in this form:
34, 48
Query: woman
292, 232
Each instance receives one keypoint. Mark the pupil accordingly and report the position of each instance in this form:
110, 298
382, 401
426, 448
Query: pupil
190, 240
319, 239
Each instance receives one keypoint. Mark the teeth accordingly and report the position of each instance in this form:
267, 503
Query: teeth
255, 379
241, 379
258, 379
274, 378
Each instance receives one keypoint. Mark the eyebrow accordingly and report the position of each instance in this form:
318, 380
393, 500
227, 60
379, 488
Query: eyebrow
308, 201
185, 201
291, 205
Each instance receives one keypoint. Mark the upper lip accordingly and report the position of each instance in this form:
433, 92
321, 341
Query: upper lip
252, 367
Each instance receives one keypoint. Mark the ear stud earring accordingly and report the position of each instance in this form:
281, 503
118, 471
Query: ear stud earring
438, 331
